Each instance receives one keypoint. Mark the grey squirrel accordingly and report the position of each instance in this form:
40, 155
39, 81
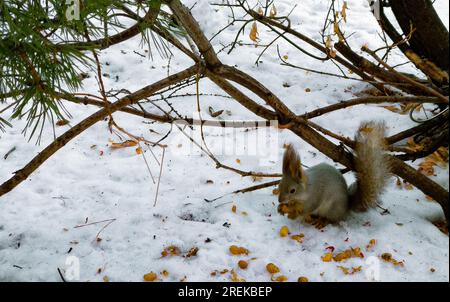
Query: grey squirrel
322, 192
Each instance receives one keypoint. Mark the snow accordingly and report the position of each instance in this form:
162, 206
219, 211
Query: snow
87, 181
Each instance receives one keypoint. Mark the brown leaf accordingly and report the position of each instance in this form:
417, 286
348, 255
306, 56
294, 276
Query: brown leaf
125, 144
171, 251
273, 11
60, 123
192, 252
243, 264
272, 268
254, 33
150, 277
238, 250
344, 11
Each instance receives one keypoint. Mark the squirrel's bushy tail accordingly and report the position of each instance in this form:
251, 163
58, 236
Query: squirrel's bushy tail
371, 165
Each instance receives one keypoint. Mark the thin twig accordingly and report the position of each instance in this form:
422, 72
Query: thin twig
160, 174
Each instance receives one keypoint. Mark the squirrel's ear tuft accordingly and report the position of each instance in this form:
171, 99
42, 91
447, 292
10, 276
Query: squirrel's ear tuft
292, 165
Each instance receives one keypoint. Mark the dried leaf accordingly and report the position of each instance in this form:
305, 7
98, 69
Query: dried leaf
351, 271
273, 11
371, 244
344, 11
125, 144
299, 238
280, 279
284, 231
60, 123
387, 257
165, 273
236, 250
243, 264
254, 33
328, 257
272, 268
214, 113
343, 256
171, 251
150, 277
192, 252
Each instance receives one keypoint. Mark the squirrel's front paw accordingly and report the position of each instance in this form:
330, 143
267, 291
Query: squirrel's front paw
292, 209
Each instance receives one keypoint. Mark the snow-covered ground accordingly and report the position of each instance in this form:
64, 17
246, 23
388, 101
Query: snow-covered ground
88, 182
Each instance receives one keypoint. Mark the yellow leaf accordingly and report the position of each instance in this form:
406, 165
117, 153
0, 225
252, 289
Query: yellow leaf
303, 280
343, 256
281, 279
165, 273
170, 251
125, 144
387, 257
298, 238
344, 270
344, 11
327, 257
351, 271
371, 244
243, 264
138, 150
272, 268
238, 250
284, 231
150, 277
254, 33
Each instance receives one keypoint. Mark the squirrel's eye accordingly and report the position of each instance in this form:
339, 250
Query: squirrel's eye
292, 191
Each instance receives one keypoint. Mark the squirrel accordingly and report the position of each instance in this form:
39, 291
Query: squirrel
322, 192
